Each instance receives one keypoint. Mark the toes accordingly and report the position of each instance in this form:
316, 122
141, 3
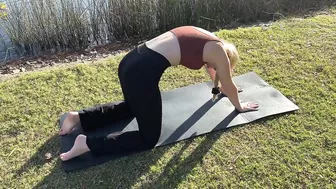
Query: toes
63, 157
61, 132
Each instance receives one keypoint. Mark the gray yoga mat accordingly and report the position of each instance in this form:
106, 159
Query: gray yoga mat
189, 112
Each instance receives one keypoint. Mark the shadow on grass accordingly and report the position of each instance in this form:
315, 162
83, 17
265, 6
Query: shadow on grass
120, 173
126, 171
39, 159
177, 170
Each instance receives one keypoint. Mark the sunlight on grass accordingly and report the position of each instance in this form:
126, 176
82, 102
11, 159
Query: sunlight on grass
296, 56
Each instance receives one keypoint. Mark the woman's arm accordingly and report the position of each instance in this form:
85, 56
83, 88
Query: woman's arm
219, 60
223, 71
231, 90
212, 73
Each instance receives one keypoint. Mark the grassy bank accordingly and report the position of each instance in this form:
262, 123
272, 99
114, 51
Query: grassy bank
296, 56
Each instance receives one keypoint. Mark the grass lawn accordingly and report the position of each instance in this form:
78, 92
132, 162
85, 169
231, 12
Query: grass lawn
296, 150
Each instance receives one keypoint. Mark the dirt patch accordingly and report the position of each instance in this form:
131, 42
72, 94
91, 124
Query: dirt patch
87, 55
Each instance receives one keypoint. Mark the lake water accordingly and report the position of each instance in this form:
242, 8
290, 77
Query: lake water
5, 53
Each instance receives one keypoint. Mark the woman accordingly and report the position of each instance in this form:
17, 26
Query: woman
139, 74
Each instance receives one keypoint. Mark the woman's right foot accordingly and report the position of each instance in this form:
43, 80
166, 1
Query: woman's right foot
80, 147
69, 123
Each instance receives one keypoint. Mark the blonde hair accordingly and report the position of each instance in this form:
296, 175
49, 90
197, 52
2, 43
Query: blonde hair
231, 52
233, 56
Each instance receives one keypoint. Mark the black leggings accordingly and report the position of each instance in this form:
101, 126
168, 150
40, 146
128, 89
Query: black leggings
139, 75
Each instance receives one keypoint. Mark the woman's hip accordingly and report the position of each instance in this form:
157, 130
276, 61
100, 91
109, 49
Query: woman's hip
142, 63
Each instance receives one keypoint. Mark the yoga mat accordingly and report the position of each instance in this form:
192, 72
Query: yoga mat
189, 112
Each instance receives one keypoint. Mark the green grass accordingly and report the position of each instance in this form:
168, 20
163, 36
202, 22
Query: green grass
296, 150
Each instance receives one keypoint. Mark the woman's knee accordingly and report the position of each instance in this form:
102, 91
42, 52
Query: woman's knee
152, 135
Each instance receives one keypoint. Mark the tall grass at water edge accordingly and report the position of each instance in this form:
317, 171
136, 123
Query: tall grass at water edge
40, 26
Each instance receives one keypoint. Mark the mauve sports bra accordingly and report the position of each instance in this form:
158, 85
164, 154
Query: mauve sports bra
192, 43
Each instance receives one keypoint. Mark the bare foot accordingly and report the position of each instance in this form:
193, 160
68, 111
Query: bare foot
78, 148
69, 123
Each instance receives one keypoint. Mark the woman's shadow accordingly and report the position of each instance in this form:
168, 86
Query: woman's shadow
124, 171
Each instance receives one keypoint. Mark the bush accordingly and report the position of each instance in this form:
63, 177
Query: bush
56, 25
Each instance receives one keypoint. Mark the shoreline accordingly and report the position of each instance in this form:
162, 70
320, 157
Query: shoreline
93, 54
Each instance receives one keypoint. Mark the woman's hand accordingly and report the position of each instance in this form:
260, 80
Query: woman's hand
248, 106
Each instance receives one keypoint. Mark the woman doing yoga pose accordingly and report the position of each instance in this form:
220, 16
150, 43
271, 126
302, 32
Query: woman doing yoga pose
139, 74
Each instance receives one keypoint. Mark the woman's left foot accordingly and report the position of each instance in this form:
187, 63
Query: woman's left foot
78, 148
69, 123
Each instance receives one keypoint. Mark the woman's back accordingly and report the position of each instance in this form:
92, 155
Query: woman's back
183, 45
